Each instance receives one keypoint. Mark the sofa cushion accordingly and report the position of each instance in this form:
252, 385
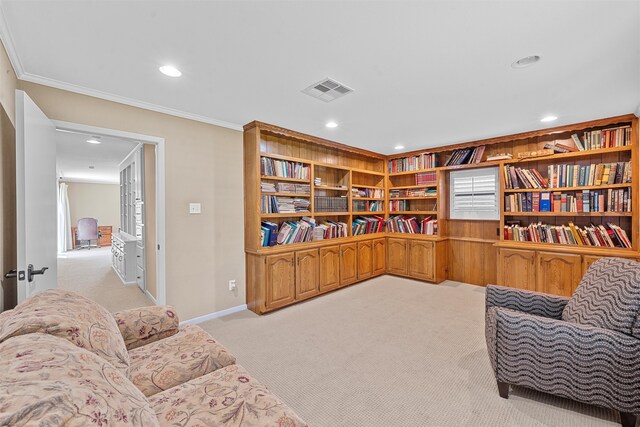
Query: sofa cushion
71, 316
189, 354
48, 381
607, 297
143, 325
227, 397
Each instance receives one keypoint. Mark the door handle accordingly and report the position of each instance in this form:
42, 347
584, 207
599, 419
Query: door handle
31, 272
11, 274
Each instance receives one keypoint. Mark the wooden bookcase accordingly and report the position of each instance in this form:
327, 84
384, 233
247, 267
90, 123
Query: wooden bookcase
469, 251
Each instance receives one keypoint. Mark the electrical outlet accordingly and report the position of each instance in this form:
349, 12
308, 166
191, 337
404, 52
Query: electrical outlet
195, 208
232, 285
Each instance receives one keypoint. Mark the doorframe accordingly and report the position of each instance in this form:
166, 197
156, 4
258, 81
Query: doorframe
161, 297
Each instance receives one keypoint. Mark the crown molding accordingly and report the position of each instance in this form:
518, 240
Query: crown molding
637, 113
45, 81
9, 45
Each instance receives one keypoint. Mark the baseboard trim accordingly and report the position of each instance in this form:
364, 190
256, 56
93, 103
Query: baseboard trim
151, 297
215, 315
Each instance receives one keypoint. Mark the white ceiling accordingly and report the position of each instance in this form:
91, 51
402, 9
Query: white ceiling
424, 73
74, 156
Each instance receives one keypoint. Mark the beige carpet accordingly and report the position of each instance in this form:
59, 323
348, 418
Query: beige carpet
89, 273
389, 352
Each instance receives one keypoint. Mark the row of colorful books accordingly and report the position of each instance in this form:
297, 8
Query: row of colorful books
465, 156
411, 225
611, 236
606, 138
304, 230
367, 225
412, 192
277, 204
368, 206
377, 193
610, 200
426, 178
412, 163
566, 175
284, 187
284, 168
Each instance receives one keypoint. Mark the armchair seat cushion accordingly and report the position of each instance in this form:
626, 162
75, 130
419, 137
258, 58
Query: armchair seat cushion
190, 353
48, 381
228, 397
70, 316
608, 297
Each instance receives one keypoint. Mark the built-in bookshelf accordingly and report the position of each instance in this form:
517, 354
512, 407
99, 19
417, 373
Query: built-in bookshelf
568, 195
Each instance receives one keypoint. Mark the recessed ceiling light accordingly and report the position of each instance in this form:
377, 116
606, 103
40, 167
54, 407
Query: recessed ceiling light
546, 119
399, 147
170, 70
331, 125
526, 61
92, 167
93, 141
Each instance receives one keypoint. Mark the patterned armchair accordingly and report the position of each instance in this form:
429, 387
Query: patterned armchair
586, 348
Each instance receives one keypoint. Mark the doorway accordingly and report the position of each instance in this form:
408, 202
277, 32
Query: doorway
117, 179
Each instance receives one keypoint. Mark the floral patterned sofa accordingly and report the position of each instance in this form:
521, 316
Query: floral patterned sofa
66, 361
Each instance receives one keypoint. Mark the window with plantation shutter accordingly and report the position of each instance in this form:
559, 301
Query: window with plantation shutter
474, 194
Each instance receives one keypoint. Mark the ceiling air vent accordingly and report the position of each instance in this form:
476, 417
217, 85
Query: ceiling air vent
327, 90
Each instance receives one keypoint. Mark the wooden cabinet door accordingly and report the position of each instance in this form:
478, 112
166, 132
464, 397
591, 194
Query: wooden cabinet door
329, 268
516, 268
587, 260
558, 274
307, 274
348, 264
421, 265
397, 256
365, 260
281, 280
379, 257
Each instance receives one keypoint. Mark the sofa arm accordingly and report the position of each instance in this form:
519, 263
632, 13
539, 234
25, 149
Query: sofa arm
531, 302
143, 325
584, 363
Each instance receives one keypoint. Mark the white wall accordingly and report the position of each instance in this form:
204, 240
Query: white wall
100, 201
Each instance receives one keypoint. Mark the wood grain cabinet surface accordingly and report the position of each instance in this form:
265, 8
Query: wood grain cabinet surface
517, 268
421, 260
365, 260
280, 280
348, 264
397, 256
307, 274
558, 274
379, 257
329, 268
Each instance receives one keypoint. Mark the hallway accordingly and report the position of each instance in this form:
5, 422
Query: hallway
89, 273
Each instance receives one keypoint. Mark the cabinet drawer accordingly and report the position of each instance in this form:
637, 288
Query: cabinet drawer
140, 276
140, 256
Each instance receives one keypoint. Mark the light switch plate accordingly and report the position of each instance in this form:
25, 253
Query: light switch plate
194, 208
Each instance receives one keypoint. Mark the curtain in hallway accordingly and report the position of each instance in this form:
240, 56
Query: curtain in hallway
64, 219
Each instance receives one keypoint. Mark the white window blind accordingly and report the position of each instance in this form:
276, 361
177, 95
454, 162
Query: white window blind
474, 194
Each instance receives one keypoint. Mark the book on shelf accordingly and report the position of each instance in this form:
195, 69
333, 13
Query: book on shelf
565, 175
466, 156
376, 193
411, 225
368, 205
367, 225
607, 138
560, 148
426, 178
412, 163
576, 140
501, 156
330, 230
412, 192
284, 168
612, 236
285, 187
330, 204
568, 175
269, 233
279, 204
585, 201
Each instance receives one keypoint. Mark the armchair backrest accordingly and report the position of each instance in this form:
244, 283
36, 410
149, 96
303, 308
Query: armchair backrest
87, 229
608, 297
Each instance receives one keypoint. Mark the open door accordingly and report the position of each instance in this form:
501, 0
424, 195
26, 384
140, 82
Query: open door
36, 199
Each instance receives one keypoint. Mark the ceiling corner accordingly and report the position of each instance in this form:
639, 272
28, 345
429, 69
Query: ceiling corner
7, 41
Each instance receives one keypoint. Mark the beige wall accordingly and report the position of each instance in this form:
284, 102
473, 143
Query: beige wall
8, 261
203, 164
99, 201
